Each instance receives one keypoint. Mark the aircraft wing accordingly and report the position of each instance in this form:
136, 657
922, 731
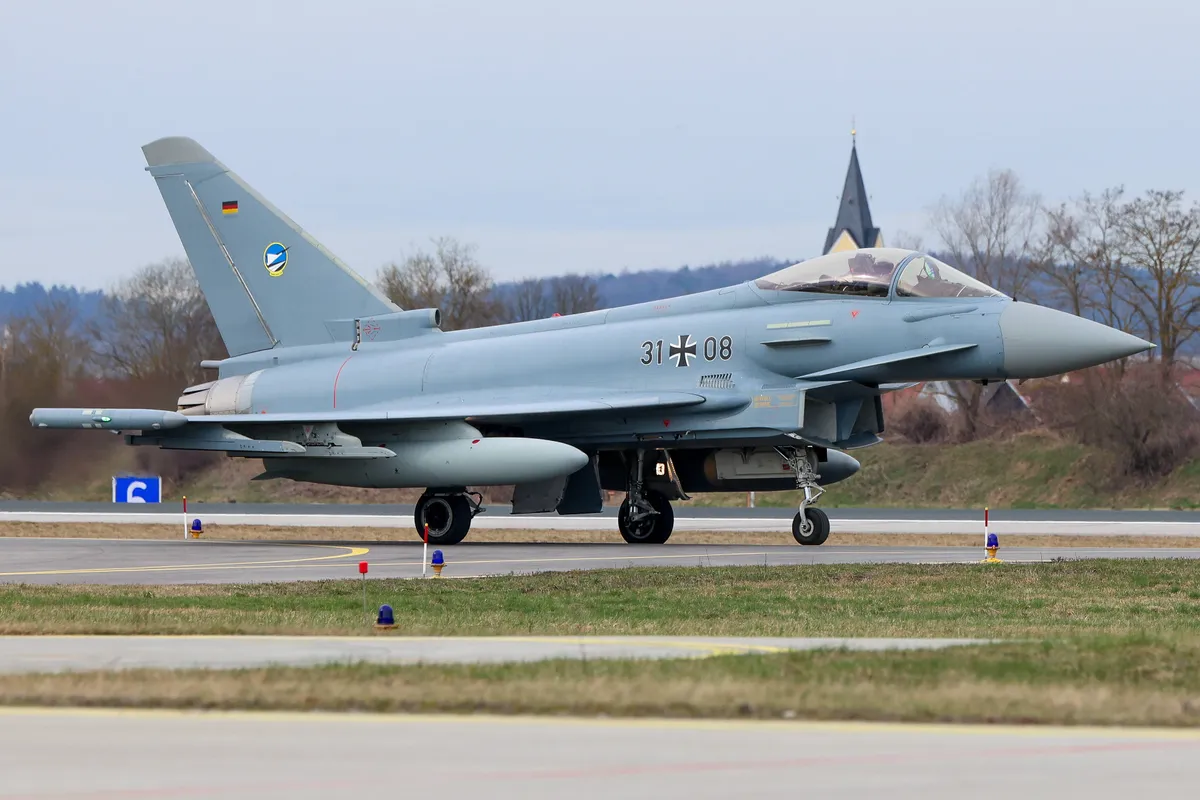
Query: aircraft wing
483, 406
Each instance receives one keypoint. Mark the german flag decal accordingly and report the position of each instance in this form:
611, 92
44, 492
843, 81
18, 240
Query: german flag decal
229, 207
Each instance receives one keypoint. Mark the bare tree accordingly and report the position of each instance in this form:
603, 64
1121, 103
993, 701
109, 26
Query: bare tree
575, 294
528, 301
47, 347
46, 356
156, 327
1080, 261
1138, 416
989, 230
1160, 251
450, 278
906, 240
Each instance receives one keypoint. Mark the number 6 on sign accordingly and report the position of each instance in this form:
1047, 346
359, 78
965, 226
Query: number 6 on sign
133, 489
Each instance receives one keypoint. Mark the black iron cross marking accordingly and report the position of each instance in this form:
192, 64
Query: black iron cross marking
682, 349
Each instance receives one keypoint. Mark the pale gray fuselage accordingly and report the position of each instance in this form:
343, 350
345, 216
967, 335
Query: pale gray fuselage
609, 349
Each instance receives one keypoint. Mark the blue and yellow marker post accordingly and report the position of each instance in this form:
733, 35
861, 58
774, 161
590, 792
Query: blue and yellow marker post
991, 542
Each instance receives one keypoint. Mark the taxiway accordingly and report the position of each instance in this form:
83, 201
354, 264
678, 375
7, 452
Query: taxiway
166, 754
133, 561
687, 518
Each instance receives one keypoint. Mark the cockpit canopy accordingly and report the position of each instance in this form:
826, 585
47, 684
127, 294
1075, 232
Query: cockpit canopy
871, 272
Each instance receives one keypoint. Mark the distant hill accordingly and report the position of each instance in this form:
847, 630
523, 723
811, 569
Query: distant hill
626, 288
26, 298
614, 289
655, 284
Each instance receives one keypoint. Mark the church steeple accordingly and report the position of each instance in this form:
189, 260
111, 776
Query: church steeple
853, 228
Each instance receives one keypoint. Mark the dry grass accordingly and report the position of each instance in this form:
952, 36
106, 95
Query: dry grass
1057, 599
1123, 682
269, 533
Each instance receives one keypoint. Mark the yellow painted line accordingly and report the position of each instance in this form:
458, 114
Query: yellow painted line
360, 551
138, 540
357, 551
797, 559
360, 718
350, 553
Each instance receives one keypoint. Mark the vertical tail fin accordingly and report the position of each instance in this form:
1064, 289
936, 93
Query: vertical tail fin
267, 282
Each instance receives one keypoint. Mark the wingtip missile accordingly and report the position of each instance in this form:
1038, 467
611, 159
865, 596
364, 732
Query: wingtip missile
115, 419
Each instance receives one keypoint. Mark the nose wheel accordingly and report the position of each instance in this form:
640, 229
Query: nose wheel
810, 526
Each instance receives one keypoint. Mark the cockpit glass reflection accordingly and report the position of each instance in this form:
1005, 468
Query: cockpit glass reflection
870, 272
925, 276
863, 273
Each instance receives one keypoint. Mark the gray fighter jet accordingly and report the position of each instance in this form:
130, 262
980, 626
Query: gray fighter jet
758, 387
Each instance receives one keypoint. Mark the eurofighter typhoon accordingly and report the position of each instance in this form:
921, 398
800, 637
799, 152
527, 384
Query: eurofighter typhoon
762, 386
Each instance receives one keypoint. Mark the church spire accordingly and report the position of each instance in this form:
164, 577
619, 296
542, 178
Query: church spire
853, 228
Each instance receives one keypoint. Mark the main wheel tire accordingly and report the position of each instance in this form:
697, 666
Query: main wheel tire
815, 527
448, 517
655, 529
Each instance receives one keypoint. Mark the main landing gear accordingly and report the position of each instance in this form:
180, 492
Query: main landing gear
448, 515
810, 526
646, 516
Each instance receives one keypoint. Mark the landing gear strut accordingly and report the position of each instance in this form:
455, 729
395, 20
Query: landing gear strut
646, 516
810, 526
448, 515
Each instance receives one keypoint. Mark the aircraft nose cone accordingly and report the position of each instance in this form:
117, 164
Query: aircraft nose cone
1040, 341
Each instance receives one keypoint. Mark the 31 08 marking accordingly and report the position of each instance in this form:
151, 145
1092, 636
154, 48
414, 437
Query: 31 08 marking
684, 349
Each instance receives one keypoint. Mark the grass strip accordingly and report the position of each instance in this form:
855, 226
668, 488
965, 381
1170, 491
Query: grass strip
1054, 599
1135, 680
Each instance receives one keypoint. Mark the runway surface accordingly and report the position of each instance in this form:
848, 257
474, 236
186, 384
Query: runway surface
129, 561
847, 520
22, 654
136, 754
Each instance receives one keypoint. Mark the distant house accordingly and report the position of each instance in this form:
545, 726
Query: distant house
1187, 377
1003, 398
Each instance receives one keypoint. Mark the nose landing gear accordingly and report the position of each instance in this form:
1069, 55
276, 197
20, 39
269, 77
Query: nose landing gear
810, 526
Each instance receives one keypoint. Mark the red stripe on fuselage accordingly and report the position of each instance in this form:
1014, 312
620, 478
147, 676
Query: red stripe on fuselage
335, 379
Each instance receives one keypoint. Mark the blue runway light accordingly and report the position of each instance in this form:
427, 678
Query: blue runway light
993, 544
438, 562
197, 529
386, 618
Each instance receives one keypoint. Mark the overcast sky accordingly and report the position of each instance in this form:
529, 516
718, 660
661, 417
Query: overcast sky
565, 135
